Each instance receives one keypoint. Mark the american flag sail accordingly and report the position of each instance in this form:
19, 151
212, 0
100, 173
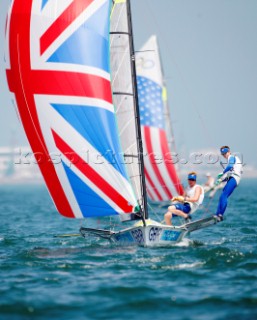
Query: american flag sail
58, 71
162, 180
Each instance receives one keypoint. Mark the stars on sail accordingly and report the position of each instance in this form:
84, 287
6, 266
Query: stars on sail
150, 103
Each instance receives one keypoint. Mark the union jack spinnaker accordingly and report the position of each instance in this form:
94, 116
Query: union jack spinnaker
59, 71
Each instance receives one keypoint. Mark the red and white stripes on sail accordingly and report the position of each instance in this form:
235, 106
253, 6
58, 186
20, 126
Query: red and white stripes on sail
162, 180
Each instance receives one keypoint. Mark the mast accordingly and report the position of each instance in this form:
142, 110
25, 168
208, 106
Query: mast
137, 114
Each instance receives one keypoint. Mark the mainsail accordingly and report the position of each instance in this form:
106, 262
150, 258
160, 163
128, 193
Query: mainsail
162, 180
59, 72
125, 96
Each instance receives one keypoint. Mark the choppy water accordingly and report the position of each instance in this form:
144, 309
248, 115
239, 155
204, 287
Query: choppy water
211, 276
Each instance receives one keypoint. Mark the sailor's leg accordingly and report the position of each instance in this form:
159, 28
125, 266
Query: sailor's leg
180, 213
168, 215
227, 191
173, 210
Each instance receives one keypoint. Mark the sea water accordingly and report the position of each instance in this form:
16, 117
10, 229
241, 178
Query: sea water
210, 275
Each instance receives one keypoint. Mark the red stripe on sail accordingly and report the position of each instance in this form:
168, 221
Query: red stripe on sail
152, 161
170, 166
150, 181
59, 83
93, 176
63, 22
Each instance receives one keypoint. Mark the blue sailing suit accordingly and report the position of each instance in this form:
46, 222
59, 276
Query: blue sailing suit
233, 170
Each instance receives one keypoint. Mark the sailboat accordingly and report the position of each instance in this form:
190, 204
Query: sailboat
71, 71
162, 179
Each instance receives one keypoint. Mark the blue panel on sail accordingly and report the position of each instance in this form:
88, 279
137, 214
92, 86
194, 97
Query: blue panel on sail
44, 2
98, 127
96, 36
90, 203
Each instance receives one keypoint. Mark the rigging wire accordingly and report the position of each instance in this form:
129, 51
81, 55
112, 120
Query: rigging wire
154, 212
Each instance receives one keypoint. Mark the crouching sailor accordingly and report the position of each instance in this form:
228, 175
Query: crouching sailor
231, 174
184, 205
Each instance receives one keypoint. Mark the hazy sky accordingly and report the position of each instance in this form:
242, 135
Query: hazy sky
209, 53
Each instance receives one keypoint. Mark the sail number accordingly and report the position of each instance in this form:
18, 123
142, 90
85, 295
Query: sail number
138, 235
170, 235
154, 233
145, 63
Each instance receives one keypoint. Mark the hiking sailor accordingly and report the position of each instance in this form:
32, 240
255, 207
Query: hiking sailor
231, 174
184, 205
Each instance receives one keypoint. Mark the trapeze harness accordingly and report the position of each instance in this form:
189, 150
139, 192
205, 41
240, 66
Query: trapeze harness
234, 168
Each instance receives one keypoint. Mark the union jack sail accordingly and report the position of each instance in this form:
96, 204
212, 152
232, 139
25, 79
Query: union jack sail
161, 177
59, 73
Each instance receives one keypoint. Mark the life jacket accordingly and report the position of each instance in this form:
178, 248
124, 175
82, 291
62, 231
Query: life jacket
237, 169
190, 192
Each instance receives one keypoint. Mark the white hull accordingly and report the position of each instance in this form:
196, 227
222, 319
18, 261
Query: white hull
150, 236
154, 234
